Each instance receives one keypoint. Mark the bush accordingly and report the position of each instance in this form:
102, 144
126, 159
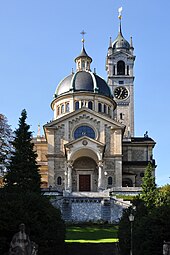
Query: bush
43, 221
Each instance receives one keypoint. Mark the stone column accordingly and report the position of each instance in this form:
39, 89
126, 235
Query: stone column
65, 180
118, 172
100, 172
69, 176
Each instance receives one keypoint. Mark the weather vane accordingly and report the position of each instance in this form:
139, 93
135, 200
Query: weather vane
120, 13
83, 33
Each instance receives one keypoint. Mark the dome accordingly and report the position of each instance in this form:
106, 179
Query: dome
64, 85
83, 81
120, 42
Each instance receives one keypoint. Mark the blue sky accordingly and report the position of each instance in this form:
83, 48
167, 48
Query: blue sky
39, 40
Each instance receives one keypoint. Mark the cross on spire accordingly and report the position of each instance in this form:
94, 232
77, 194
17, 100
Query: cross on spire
83, 33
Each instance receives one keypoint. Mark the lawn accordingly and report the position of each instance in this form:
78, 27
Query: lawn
92, 234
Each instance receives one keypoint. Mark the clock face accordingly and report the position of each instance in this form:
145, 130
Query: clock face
121, 93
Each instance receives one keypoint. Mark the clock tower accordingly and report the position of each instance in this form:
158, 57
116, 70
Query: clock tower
119, 66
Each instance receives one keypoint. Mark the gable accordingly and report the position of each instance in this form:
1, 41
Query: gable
121, 54
84, 115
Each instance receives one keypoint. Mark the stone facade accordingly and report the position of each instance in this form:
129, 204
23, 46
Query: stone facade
89, 147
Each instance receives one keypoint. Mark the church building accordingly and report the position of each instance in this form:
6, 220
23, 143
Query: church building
89, 153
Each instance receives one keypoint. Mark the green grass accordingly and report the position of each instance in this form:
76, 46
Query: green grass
92, 234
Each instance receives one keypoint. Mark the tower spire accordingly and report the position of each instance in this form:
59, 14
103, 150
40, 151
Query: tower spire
120, 19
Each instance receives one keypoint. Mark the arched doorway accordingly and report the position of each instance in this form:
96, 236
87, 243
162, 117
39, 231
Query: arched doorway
85, 176
127, 182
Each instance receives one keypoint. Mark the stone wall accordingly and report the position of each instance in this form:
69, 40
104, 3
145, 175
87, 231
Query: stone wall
91, 209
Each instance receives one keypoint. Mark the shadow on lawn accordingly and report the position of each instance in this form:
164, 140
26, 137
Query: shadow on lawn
96, 234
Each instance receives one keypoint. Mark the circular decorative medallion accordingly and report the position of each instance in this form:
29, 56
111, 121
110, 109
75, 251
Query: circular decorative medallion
84, 142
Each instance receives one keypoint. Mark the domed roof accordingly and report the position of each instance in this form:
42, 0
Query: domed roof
83, 81
120, 42
83, 54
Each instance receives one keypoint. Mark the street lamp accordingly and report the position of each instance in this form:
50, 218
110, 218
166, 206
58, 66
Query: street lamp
131, 219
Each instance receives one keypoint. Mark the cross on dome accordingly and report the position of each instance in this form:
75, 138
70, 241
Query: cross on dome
83, 33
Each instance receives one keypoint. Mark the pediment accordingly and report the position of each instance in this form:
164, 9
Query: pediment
84, 146
121, 53
85, 140
85, 114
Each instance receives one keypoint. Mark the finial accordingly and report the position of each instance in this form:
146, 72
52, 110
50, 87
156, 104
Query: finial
131, 42
110, 43
120, 13
39, 131
72, 71
83, 33
120, 18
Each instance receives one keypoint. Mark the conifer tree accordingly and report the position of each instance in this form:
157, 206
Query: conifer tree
23, 174
149, 189
6, 137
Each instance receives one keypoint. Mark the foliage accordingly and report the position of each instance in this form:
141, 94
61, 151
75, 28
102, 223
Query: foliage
23, 174
149, 189
127, 197
6, 137
164, 195
152, 219
150, 231
43, 221
124, 233
21, 200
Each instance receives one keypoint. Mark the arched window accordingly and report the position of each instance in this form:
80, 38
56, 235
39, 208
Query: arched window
121, 116
77, 105
110, 180
59, 180
84, 131
83, 64
99, 107
109, 111
90, 105
114, 70
127, 70
67, 107
121, 67
104, 108
62, 108
58, 110
127, 182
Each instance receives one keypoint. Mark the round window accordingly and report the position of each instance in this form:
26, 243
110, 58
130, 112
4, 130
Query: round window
84, 131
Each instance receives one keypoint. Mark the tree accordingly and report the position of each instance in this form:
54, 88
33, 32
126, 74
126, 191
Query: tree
6, 137
149, 189
43, 221
152, 219
164, 195
23, 171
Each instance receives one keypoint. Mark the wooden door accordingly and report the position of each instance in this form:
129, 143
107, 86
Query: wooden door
84, 182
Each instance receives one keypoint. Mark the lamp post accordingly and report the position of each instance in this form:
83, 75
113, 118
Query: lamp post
131, 219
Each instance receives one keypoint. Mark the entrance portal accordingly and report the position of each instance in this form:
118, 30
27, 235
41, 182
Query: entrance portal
84, 175
84, 182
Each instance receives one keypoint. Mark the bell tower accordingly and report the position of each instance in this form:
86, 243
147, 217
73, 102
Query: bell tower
119, 66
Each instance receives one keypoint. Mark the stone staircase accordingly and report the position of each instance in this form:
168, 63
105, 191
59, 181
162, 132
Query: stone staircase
90, 206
